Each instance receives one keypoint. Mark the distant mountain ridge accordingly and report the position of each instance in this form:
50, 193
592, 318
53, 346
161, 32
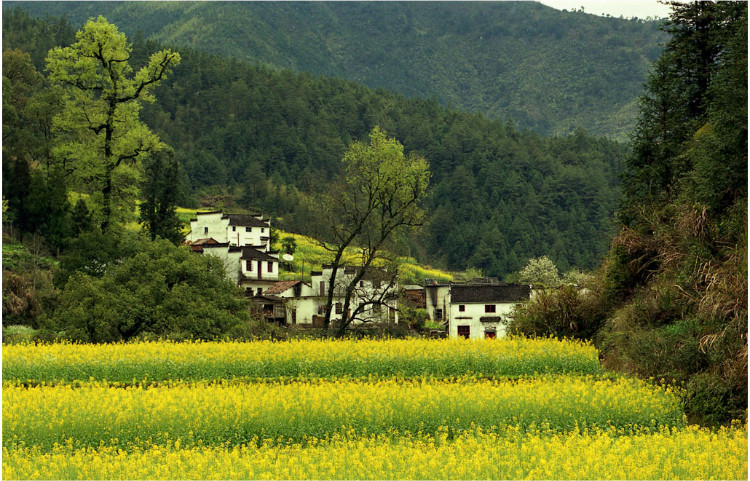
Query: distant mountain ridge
547, 70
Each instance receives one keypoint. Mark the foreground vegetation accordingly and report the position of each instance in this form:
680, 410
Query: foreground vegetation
65, 421
210, 414
689, 453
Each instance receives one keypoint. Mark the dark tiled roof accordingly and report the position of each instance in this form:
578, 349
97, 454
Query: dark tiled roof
246, 220
489, 293
281, 286
208, 212
253, 253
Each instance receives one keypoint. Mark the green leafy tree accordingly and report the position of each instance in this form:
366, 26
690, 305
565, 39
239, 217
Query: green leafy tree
81, 219
161, 290
288, 244
379, 193
99, 129
159, 193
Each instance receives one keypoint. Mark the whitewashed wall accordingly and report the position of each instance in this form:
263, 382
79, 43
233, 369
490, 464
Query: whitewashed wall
471, 315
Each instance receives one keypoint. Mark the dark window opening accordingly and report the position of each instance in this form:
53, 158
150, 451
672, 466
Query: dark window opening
461, 308
339, 308
489, 308
464, 331
438, 314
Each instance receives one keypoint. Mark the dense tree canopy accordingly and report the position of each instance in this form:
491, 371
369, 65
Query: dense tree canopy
157, 289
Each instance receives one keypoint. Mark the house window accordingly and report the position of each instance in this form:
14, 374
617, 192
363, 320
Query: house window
262, 230
321, 310
249, 266
259, 291
205, 230
361, 283
438, 314
461, 308
339, 308
464, 331
294, 316
490, 335
248, 229
489, 308
234, 228
322, 288
270, 267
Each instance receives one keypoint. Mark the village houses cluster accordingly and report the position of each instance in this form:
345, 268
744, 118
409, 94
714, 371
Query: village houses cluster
475, 309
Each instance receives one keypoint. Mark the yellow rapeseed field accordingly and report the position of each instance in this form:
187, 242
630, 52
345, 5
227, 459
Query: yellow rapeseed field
214, 413
690, 453
158, 361
397, 409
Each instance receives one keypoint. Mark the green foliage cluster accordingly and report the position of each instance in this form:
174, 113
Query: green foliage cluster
670, 300
546, 70
28, 289
147, 287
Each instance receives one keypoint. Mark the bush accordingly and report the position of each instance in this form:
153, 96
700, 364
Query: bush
162, 290
563, 312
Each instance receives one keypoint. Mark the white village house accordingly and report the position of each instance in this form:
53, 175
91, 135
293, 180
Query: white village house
474, 310
481, 311
243, 243
236, 229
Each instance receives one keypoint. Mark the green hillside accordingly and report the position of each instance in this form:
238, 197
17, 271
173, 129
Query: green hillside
548, 70
251, 137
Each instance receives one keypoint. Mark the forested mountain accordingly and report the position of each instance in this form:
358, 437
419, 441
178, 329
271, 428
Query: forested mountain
271, 140
544, 69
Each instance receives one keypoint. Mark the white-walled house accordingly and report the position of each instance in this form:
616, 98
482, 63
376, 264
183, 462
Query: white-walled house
376, 293
305, 303
243, 242
258, 270
437, 301
481, 310
299, 301
236, 229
